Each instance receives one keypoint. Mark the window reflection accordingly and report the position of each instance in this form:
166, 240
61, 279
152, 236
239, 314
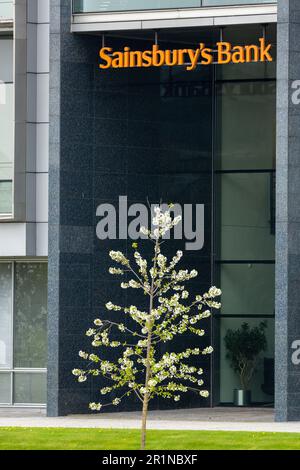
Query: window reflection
82, 6
30, 336
6, 9
30, 388
6, 125
262, 382
5, 315
5, 388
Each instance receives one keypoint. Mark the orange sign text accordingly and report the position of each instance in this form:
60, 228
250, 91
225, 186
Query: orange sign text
224, 53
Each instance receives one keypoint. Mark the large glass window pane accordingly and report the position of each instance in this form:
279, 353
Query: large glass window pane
30, 319
6, 126
5, 197
6, 123
6, 60
262, 383
210, 3
5, 315
123, 5
246, 215
5, 389
30, 388
247, 289
6, 9
80, 6
246, 125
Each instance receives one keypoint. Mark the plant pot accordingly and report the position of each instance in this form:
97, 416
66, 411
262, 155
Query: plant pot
241, 397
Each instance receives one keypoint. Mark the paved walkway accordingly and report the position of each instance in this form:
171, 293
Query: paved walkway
216, 419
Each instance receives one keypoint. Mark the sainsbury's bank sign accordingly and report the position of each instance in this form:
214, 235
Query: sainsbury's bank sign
223, 53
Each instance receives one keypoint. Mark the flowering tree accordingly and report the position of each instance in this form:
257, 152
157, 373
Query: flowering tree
140, 368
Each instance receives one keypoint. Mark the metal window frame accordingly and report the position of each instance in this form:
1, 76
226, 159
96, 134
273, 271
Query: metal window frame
11, 370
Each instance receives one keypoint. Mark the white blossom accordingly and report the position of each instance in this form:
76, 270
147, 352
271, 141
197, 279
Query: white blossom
208, 350
214, 292
95, 406
134, 284
119, 257
152, 382
111, 306
93, 358
116, 271
83, 354
90, 332
172, 312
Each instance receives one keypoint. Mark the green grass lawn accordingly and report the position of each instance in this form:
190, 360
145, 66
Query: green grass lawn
127, 439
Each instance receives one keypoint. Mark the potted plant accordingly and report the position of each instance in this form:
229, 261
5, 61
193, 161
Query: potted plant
243, 347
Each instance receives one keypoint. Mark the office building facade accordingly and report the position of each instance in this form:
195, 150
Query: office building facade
75, 136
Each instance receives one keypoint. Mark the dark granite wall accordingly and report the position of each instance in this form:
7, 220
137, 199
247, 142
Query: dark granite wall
114, 133
287, 332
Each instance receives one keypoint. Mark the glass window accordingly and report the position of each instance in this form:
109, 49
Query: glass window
5, 315
5, 197
248, 289
248, 139
218, 3
6, 129
30, 318
80, 6
262, 382
245, 222
23, 333
246, 216
30, 388
6, 125
5, 388
6, 57
6, 9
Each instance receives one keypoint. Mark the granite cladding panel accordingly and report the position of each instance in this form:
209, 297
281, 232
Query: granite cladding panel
113, 135
287, 373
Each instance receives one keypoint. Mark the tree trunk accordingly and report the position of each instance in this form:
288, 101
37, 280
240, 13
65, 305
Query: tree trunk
144, 423
148, 363
146, 396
